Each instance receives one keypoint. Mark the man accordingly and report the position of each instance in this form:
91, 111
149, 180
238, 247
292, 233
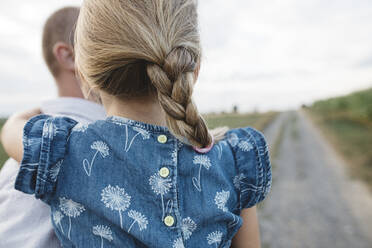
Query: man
25, 221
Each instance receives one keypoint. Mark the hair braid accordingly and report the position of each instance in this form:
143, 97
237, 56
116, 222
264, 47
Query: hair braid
174, 82
132, 48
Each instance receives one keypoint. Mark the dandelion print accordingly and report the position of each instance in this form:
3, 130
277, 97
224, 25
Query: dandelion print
57, 218
219, 148
201, 160
233, 139
138, 218
178, 243
70, 209
160, 186
221, 199
145, 135
117, 199
188, 226
214, 238
101, 148
104, 232
55, 170
245, 146
237, 180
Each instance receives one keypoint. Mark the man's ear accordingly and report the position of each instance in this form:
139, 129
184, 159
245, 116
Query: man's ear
64, 55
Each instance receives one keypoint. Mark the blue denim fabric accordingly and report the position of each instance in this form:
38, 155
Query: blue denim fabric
104, 185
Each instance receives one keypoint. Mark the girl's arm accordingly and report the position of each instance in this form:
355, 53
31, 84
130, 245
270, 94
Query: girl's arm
12, 133
248, 235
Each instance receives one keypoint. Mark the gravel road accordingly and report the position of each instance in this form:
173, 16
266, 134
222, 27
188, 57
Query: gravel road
313, 202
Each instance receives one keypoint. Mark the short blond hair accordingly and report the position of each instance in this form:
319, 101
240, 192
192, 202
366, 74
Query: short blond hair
60, 27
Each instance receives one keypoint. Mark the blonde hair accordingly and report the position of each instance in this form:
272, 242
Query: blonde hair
131, 48
58, 28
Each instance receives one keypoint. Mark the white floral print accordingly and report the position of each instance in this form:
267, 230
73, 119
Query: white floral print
233, 139
220, 148
178, 243
214, 238
188, 226
55, 170
238, 180
221, 199
201, 160
117, 199
57, 218
160, 186
138, 218
245, 146
71, 209
101, 148
104, 232
140, 131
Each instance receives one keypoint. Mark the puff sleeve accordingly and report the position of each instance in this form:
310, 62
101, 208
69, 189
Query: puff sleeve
253, 164
44, 142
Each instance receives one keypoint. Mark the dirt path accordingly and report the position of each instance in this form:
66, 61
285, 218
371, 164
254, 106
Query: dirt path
313, 203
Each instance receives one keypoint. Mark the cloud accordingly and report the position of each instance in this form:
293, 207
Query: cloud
256, 54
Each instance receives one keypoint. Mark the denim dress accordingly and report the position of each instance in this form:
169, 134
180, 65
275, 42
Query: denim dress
124, 183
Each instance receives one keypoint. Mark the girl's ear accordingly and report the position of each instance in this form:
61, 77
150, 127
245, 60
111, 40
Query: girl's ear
64, 54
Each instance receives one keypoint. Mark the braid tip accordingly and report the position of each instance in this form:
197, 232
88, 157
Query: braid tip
205, 149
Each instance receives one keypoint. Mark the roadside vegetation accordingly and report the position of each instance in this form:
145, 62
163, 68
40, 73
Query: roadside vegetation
3, 156
347, 123
235, 120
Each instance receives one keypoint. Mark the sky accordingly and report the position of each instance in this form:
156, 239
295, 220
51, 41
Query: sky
258, 55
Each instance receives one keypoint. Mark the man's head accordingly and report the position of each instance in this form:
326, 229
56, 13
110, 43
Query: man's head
58, 39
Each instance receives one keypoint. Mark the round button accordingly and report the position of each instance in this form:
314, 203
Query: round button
169, 220
162, 139
164, 172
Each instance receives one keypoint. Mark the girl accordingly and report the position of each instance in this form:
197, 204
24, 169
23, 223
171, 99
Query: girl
151, 174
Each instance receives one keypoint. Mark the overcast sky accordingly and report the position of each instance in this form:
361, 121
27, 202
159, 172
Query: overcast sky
272, 54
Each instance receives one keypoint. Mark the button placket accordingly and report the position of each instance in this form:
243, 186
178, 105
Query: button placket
165, 171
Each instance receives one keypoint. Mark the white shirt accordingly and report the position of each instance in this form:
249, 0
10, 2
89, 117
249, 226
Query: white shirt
25, 221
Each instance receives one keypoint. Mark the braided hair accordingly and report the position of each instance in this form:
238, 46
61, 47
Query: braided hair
131, 48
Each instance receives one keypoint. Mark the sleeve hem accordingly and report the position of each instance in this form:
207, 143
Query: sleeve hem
27, 165
254, 167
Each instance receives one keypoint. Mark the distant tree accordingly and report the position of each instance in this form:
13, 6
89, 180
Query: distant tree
235, 109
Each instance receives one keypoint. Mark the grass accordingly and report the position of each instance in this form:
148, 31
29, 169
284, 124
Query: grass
347, 122
256, 120
3, 155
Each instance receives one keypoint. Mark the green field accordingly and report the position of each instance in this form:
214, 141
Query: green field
256, 120
3, 156
347, 122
